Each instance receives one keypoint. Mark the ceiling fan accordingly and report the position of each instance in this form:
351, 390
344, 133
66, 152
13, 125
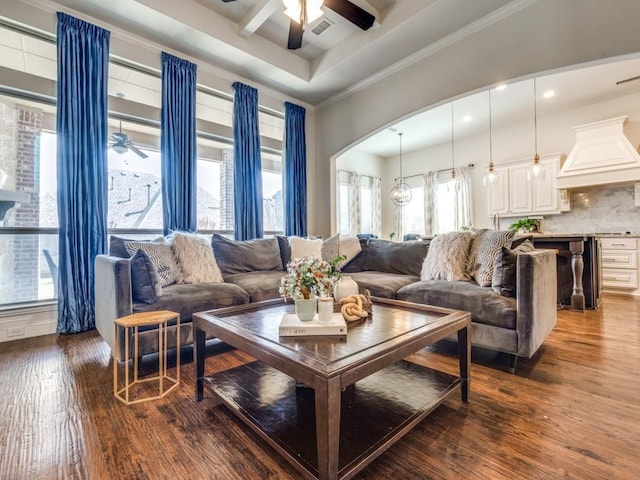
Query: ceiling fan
122, 143
356, 15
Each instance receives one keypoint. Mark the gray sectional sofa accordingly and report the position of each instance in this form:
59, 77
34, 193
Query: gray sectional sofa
252, 272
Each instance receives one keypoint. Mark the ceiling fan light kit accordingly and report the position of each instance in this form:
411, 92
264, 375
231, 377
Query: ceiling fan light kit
303, 11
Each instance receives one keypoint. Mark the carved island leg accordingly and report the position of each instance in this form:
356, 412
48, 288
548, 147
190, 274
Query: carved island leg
577, 267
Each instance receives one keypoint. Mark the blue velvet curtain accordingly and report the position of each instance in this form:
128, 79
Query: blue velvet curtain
247, 164
295, 171
83, 60
178, 144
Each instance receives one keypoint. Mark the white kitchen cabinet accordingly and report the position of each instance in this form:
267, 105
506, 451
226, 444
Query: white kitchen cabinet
619, 257
516, 193
498, 193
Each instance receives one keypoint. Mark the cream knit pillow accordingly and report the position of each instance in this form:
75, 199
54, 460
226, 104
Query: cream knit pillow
195, 258
447, 257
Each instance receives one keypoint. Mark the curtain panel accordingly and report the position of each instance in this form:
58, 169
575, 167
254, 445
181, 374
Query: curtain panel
464, 213
81, 128
178, 144
295, 171
354, 204
429, 203
247, 164
376, 207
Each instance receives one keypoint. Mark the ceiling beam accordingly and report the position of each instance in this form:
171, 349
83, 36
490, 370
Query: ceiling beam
256, 16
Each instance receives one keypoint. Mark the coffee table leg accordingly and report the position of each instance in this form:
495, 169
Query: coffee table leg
199, 340
328, 428
464, 354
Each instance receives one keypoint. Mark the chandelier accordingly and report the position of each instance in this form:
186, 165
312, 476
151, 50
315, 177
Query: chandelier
303, 11
401, 192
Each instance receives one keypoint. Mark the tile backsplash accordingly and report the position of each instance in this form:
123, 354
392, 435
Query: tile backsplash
607, 209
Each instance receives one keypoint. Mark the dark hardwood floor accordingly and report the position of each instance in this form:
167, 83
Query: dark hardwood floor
572, 411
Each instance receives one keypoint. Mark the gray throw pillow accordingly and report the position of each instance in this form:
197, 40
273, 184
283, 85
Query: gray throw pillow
447, 257
504, 272
232, 256
145, 281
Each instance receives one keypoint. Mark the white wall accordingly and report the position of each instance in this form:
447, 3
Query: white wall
544, 36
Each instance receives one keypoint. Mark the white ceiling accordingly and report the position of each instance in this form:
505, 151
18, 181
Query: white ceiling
571, 89
249, 37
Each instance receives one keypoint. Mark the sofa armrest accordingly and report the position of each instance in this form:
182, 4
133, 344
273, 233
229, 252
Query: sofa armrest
536, 296
112, 293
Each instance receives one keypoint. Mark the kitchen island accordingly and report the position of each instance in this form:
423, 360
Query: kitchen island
579, 284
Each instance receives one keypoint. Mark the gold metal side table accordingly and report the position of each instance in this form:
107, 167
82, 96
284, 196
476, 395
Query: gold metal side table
160, 318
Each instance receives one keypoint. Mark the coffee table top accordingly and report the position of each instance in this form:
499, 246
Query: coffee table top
393, 324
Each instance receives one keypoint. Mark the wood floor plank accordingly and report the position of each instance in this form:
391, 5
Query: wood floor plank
572, 411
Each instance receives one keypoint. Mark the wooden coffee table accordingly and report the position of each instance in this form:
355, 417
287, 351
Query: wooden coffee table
330, 405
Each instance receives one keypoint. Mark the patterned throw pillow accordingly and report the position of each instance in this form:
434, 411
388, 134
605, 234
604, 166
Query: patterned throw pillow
195, 258
447, 257
485, 248
162, 257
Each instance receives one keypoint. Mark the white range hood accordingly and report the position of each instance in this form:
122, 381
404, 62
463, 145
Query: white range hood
602, 155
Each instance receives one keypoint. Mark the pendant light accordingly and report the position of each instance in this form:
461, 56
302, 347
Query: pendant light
490, 177
401, 193
536, 168
453, 159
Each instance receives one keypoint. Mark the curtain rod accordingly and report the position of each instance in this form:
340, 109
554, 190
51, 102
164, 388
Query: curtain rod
470, 165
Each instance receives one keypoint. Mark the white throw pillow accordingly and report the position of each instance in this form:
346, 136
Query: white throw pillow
305, 247
195, 258
349, 247
447, 257
161, 256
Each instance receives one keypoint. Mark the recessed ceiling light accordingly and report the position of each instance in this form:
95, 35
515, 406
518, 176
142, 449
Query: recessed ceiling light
501, 87
548, 94
467, 118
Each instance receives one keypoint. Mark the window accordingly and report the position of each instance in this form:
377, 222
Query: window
134, 183
413, 212
28, 201
445, 206
344, 208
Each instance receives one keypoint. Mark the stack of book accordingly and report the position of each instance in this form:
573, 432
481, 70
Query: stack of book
292, 326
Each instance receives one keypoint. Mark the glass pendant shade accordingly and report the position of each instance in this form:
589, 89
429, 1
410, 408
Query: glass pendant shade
401, 193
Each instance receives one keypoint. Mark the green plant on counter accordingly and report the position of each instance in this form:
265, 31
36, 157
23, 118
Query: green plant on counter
525, 225
391, 235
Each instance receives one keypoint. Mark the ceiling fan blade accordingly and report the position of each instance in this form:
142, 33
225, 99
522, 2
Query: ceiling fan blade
356, 15
137, 151
295, 35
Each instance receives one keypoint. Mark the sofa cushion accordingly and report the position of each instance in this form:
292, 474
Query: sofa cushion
484, 250
485, 305
235, 256
189, 298
382, 284
504, 271
162, 257
259, 285
195, 258
447, 257
145, 281
384, 256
